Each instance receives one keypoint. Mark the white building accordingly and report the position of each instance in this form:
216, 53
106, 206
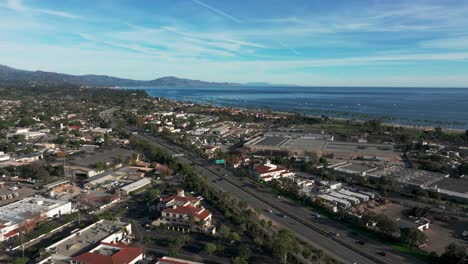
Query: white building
4, 157
352, 199
126, 190
268, 171
26, 133
361, 197
334, 200
14, 215
108, 241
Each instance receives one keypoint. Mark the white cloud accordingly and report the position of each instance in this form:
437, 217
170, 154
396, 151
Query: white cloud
18, 6
217, 11
57, 13
95, 59
447, 43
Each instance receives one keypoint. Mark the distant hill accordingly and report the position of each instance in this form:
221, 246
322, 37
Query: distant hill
12, 75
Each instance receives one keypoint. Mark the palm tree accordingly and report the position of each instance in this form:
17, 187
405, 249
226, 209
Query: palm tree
319, 255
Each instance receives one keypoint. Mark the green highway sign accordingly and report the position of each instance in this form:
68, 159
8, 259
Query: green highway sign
220, 161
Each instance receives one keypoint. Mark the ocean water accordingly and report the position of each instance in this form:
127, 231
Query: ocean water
444, 107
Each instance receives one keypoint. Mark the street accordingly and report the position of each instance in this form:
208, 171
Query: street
314, 231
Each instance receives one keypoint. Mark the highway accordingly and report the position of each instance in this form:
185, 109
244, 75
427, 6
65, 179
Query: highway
318, 232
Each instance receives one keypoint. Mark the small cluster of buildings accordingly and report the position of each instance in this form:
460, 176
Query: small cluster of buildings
408, 177
268, 171
299, 145
184, 213
22, 215
333, 195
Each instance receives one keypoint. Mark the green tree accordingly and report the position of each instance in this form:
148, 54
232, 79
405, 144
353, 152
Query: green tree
306, 253
412, 237
240, 260
283, 243
244, 251
176, 246
210, 248
224, 231
22, 260
454, 254
25, 122
386, 225
235, 236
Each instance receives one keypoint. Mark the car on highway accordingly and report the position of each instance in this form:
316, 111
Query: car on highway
361, 242
279, 197
270, 211
383, 253
316, 214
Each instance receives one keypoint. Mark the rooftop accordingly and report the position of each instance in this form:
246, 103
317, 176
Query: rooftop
20, 210
86, 238
197, 212
450, 184
107, 253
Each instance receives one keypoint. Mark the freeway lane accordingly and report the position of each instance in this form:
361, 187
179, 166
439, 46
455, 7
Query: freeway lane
314, 231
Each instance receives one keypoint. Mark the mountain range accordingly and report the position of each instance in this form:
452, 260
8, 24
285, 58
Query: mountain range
12, 75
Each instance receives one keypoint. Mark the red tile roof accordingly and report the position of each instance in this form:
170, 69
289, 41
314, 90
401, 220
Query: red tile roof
265, 169
125, 255
196, 212
11, 233
179, 199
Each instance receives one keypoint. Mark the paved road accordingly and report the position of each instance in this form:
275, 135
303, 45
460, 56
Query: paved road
315, 231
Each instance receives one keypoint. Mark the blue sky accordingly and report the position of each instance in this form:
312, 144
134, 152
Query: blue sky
305, 42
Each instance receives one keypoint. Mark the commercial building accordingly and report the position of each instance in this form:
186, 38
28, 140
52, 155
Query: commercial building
353, 200
455, 188
110, 253
409, 177
4, 157
334, 200
98, 180
126, 190
184, 213
15, 216
26, 133
354, 169
360, 196
269, 171
101, 237
299, 145
179, 200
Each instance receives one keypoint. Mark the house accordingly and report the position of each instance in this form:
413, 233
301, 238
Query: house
269, 171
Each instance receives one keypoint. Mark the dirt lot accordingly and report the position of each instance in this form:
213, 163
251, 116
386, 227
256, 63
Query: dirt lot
440, 234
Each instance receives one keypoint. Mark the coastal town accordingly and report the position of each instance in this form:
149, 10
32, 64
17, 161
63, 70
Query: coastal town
95, 175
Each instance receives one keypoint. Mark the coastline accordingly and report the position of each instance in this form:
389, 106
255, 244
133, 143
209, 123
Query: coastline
416, 124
